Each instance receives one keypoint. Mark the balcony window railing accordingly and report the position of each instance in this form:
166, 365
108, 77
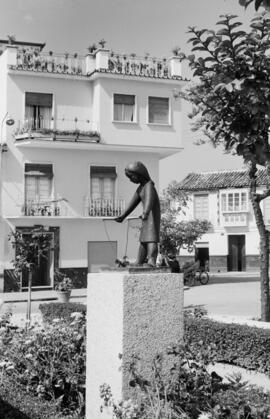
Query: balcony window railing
54, 207
64, 127
104, 207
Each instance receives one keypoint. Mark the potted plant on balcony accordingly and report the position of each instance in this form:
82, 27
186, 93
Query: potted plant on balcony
63, 286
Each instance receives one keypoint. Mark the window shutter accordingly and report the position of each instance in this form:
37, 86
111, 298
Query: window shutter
33, 169
158, 110
103, 172
38, 99
201, 210
124, 99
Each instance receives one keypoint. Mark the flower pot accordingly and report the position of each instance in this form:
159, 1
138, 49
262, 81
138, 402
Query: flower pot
64, 296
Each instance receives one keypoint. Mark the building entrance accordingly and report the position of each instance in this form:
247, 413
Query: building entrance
237, 252
202, 255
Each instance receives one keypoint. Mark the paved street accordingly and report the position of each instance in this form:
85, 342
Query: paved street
227, 296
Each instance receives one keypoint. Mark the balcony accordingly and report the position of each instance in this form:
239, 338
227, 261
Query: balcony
139, 66
37, 61
69, 130
100, 60
55, 207
235, 219
103, 207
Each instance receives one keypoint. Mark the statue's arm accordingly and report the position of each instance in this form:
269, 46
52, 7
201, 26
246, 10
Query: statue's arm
149, 200
131, 206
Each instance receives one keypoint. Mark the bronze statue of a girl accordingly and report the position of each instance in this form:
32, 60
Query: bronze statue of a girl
146, 194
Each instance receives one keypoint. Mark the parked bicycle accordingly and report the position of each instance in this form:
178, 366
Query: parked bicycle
194, 273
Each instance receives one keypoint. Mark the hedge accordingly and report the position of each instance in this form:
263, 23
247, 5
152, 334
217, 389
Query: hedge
16, 403
51, 311
244, 346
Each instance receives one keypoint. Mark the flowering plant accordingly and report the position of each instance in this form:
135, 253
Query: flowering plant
63, 282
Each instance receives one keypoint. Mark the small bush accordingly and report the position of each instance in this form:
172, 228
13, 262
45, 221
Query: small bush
47, 363
51, 311
244, 346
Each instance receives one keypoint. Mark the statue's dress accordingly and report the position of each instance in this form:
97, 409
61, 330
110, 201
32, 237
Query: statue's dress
151, 207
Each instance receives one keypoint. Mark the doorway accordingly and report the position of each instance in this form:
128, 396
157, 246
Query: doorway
43, 274
202, 255
101, 254
237, 252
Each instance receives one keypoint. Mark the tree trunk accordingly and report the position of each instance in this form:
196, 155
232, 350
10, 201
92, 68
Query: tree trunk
28, 314
264, 251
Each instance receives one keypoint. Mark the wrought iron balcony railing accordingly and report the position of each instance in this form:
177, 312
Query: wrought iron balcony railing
68, 129
103, 207
54, 207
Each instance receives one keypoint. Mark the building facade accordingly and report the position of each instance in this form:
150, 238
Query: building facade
69, 126
232, 243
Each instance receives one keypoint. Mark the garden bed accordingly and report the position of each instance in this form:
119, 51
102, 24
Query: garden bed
241, 345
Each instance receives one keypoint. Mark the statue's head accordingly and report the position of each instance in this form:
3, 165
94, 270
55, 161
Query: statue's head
137, 172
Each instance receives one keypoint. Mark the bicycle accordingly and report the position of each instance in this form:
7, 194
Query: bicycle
193, 274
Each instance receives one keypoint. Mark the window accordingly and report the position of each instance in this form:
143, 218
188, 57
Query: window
201, 210
38, 110
234, 202
158, 110
102, 182
124, 108
38, 183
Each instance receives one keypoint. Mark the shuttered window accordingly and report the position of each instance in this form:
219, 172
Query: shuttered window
102, 182
201, 208
124, 108
38, 182
38, 110
158, 110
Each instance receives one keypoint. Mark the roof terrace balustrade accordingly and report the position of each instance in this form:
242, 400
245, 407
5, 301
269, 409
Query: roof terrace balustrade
102, 207
34, 60
102, 60
138, 66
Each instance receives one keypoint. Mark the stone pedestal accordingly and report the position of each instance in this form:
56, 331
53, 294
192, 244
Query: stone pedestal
128, 313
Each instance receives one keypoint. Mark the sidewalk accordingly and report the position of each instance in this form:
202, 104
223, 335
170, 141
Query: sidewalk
47, 295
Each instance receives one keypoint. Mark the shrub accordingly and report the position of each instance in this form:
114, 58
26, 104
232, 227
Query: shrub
51, 311
49, 364
244, 346
187, 391
16, 403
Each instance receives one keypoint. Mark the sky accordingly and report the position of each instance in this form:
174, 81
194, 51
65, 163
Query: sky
128, 26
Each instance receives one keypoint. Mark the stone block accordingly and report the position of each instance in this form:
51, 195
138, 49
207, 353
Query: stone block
128, 313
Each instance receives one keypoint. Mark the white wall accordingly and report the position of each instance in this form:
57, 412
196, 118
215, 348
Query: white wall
139, 133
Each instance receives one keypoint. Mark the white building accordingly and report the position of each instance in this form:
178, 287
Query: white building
232, 244
78, 122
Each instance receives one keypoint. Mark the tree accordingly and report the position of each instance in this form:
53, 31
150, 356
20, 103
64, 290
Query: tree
257, 3
175, 234
231, 106
30, 248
